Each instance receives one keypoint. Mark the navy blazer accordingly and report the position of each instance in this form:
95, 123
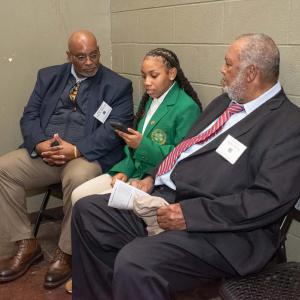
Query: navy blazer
100, 142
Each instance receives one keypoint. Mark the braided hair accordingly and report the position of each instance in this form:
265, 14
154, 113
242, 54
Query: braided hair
170, 60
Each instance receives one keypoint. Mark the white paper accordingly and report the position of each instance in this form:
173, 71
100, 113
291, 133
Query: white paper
123, 194
103, 112
231, 149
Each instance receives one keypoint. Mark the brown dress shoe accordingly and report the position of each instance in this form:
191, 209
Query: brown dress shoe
28, 253
59, 271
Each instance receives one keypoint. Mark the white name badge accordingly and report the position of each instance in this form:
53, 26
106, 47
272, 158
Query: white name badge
103, 112
231, 149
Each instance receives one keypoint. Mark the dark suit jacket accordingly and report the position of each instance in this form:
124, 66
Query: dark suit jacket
100, 142
237, 207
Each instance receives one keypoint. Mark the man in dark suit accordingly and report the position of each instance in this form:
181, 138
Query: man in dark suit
67, 139
228, 184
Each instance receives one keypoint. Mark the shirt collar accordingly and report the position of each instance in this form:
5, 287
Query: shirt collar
163, 96
78, 79
256, 103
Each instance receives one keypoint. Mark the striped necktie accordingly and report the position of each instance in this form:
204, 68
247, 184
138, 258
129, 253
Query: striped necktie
171, 159
73, 95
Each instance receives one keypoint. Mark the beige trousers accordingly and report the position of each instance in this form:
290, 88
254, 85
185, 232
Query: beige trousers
98, 185
19, 173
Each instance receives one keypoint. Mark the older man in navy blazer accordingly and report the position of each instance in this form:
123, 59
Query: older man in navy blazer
67, 139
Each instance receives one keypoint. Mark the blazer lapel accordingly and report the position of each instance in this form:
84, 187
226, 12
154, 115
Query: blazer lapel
169, 101
94, 100
142, 120
244, 125
55, 92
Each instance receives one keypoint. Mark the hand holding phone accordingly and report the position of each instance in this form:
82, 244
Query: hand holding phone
119, 126
132, 138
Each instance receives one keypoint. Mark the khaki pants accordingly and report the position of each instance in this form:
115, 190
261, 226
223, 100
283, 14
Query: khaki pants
19, 173
97, 186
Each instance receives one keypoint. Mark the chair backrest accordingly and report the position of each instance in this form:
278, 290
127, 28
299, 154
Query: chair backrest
277, 282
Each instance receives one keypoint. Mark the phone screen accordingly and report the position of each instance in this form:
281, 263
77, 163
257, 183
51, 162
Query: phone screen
119, 126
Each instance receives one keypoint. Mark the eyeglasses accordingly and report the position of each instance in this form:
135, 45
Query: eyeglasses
83, 57
73, 95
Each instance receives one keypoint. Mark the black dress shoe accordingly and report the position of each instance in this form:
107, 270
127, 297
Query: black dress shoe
28, 253
59, 271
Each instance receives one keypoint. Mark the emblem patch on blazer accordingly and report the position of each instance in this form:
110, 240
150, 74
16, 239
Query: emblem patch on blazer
159, 136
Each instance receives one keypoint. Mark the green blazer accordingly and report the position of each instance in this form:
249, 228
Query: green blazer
167, 127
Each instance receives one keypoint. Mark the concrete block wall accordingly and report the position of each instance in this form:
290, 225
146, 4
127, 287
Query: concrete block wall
199, 32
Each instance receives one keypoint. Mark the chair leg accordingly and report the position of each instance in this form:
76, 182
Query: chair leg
281, 254
41, 212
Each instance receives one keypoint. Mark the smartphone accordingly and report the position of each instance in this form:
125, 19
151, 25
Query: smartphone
55, 143
119, 126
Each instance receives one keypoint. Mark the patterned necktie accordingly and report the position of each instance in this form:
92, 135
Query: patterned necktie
73, 95
171, 159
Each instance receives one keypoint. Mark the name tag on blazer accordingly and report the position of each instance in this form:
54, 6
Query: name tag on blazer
103, 112
231, 149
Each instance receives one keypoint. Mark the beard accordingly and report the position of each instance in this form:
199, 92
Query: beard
236, 90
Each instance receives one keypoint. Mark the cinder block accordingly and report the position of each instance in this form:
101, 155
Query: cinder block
142, 88
294, 23
118, 57
156, 25
201, 23
266, 16
292, 248
290, 69
206, 93
133, 56
201, 63
295, 228
90, 7
136, 87
296, 100
125, 27
153, 25
121, 5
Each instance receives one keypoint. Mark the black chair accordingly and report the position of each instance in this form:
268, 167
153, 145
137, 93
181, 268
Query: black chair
41, 213
280, 282
277, 281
